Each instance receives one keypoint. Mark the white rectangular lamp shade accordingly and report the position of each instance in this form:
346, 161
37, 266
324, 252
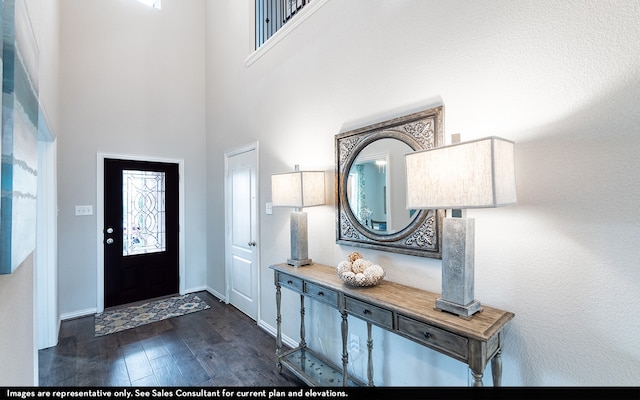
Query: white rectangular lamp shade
474, 174
298, 189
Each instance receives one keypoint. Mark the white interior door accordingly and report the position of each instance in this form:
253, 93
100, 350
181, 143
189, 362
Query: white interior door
242, 266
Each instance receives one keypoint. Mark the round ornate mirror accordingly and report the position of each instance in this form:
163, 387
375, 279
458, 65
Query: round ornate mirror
376, 187
371, 188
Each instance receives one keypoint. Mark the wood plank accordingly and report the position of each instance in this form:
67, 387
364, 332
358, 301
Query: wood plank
227, 349
401, 309
407, 300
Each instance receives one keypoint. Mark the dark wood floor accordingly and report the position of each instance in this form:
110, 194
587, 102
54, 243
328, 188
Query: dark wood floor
219, 346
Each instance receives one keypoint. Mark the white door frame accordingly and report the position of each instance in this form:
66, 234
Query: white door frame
100, 222
47, 318
227, 200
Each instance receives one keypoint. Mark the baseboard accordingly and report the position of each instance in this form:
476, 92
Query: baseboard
217, 294
286, 340
93, 311
78, 314
195, 289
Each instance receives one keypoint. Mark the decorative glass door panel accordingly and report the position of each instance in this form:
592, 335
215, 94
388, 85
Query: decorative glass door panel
143, 212
141, 230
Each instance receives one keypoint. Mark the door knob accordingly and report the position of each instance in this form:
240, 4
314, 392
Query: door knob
252, 243
110, 241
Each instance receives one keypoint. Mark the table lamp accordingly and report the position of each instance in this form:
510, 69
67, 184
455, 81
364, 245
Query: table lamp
473, 174
298, 189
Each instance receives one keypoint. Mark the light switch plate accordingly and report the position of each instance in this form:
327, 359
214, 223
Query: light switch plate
84, 210
269, 208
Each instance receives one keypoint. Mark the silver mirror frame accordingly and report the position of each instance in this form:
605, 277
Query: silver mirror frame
423, 236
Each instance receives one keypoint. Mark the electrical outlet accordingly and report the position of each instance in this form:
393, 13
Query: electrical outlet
354, 344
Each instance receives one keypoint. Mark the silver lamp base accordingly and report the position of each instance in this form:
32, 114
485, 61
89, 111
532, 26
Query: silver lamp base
299, 241
465, 311
457, 267
299, 263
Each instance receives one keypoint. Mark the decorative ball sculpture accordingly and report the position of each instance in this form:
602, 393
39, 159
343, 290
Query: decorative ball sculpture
357, 271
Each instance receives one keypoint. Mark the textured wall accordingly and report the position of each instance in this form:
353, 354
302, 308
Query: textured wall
559, 78
132, 84
17, 342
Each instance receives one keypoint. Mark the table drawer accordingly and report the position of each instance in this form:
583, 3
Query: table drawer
369, 312
290, 282
321, 294
436, 338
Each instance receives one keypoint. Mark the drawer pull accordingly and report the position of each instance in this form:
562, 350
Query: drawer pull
320, 293
367, 312
290, 282
427, 335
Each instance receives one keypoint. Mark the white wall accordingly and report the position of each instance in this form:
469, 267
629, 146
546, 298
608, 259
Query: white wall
559, 78
132, 84
18, 338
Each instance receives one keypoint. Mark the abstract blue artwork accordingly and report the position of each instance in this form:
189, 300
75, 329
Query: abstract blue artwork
19, 146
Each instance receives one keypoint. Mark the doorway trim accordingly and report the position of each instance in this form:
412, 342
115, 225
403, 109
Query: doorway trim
46, 317
100, 213
227, 243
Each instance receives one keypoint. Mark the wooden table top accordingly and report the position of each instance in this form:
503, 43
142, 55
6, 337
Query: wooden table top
412, 302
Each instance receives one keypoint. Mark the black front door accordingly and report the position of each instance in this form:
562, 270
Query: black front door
140, 230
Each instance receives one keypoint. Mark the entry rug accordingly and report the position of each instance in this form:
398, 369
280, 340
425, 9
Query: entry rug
153, 311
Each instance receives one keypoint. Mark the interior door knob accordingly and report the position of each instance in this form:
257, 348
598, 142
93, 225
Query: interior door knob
253, 243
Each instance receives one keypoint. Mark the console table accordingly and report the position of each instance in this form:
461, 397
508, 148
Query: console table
401, 309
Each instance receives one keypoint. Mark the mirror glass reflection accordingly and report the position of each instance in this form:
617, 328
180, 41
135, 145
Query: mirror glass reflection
376, 187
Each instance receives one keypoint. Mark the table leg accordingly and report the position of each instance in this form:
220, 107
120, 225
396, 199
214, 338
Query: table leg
345, 353
303, 343
370, 354
278, 329
496, 368
477, 378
